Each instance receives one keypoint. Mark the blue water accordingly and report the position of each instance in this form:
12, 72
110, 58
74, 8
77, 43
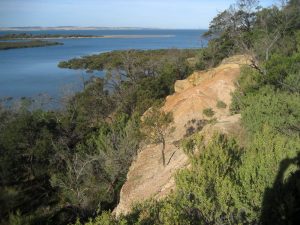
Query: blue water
32, 71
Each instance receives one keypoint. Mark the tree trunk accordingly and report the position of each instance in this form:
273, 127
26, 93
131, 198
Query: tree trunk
163, 152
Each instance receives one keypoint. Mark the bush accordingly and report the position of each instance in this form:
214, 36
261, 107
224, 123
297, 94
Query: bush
106, 218
208, 112
221, 105
219, 186
279, 67
279, 110
261, 167
190, 144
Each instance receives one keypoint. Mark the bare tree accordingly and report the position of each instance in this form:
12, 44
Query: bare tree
77, 178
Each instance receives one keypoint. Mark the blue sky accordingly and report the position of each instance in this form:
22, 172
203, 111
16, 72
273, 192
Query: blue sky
112, 13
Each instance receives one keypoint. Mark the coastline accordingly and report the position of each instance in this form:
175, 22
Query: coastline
29, 44
98, 37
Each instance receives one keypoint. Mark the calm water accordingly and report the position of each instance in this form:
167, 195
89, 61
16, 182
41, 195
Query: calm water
32, 71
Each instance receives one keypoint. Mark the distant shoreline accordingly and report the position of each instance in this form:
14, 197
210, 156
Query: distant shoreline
27, 44
95, 37
87, 37
74, 28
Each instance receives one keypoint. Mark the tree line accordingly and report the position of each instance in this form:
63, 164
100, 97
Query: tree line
60, 165
252, 179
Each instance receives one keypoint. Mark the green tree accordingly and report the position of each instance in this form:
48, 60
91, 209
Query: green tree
156, 126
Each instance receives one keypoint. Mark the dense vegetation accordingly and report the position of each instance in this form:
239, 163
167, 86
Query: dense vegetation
57, 166
254, 180
117, 60
138, 77
26, 44
42, 36
60, 166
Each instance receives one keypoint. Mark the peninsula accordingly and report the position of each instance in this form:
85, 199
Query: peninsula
62, 28
27, 44
28, 36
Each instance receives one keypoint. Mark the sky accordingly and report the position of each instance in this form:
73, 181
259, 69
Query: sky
188, 14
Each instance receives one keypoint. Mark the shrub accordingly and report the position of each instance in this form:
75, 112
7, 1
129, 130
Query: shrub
194, 126
190, 144
221, 105
106, 218
208, 112
261, 167
279, 110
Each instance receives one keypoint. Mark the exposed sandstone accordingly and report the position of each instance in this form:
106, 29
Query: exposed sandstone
147, 176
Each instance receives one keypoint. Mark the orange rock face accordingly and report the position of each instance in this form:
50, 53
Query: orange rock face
147, 177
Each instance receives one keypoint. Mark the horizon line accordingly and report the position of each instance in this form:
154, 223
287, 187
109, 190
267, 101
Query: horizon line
95, 27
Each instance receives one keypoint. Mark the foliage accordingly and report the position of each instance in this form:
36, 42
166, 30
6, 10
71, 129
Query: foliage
156, 127
57, 166
27, 44
218, 188
105, 219
207, 189
278, 68
191, 144
194, 126
277, 110
221, 105
266, 152
215, 52
227, 184
256, 31
137, 78
41, 36
208, 112
298, 40
129, 60
52, 172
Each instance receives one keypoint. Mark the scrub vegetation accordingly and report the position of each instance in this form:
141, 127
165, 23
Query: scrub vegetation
26, 44
67, 166
60, 165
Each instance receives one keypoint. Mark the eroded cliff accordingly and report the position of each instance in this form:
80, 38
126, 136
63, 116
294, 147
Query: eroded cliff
147, 177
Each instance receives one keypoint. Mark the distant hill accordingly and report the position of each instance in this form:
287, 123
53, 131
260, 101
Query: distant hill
36, 28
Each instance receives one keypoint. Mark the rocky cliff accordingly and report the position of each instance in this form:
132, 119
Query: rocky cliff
147, 177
